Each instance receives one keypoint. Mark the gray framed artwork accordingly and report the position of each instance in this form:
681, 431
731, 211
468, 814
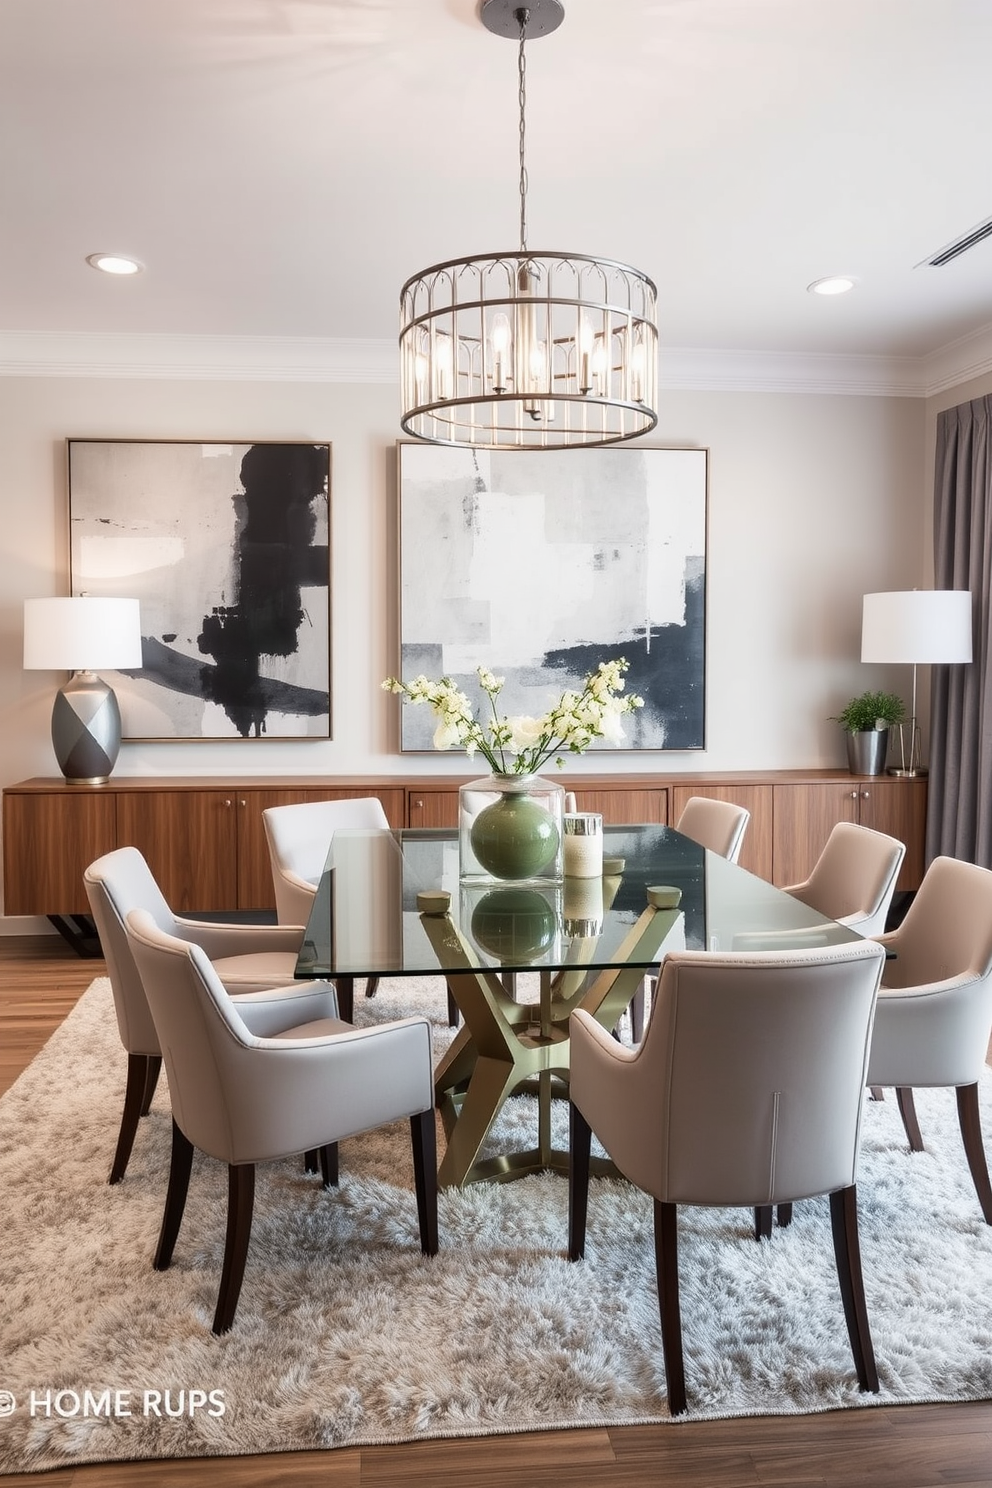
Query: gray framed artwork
226, 548
540, 564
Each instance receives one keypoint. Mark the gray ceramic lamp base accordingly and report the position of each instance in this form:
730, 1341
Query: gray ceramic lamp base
86, 729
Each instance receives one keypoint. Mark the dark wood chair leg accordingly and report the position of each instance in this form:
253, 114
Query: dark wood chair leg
763, 1221
454, 1015
180, 1166
134, 1094
784, 1216
847, 1252
345, 988
153, 1066
311, 1160
371, 986
423, 1133
876, 1092
970, 1123
329, 1164
907, 1110
666, 1253
579, 1147
240, 1203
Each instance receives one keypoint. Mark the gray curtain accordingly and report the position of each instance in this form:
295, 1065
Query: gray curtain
959, 819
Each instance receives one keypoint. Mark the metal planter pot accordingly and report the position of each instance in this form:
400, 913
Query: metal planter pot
866, 751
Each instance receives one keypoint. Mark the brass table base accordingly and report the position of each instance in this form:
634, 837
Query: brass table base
505, 1043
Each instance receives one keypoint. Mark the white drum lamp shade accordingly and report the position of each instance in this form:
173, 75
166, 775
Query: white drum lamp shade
916, 627
83, 636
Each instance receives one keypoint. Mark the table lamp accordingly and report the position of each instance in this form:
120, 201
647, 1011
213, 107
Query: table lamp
80, 635
916, 627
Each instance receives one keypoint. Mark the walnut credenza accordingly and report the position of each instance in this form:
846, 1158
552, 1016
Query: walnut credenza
204, 840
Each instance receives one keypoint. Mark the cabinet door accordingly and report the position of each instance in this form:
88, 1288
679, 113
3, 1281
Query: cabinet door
254, 869
189, 839
622, 807
48, 841
899, 808
432, 808
756, 853
803, 817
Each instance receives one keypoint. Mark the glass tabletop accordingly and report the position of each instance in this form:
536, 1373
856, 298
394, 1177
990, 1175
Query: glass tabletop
366, 920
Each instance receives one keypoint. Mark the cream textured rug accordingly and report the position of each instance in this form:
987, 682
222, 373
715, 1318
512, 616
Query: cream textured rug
346, 1335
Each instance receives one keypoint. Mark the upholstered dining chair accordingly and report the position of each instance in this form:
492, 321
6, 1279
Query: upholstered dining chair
718, 825
854, 878
246, 1099
784, 1038
250, 960
299, 837
934, 1012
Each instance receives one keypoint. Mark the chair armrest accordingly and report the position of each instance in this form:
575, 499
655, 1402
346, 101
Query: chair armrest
288, 1095
266, 1014
219, 940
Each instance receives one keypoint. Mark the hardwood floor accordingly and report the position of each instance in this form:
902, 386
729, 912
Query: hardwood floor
928, 1446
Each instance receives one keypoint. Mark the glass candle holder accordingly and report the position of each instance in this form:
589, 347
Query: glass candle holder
583, 831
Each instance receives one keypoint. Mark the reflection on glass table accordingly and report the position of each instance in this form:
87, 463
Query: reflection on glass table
390, 903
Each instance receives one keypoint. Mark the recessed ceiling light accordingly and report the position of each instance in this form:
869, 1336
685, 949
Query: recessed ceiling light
114, 263
833, 285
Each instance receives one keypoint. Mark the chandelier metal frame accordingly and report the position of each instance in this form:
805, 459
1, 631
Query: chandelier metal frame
528, 349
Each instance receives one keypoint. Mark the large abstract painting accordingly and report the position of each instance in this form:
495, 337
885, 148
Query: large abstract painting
226, 548
539, 565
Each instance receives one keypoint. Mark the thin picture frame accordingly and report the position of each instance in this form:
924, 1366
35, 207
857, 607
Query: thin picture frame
226, 546
539, 564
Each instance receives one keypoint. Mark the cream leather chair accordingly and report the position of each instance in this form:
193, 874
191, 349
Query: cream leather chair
247, 1099
783, 1040
934, 1012
854, 878
250, 960
718, 825
299, 837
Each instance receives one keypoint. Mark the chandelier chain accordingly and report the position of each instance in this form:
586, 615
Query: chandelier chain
523, 15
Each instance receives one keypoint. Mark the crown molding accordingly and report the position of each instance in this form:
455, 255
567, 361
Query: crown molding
313, 359
196, 358
959, 361
727, 371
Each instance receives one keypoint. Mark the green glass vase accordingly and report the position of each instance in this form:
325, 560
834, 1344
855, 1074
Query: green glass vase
510, 830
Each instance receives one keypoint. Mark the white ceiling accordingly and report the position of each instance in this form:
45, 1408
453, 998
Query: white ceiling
281, 166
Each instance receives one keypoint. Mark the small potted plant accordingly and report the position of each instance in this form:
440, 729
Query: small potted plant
866, 720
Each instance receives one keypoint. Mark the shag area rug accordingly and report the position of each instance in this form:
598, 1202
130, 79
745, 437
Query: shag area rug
346, 1335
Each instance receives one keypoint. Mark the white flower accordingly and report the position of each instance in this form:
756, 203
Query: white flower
521, 745
525, 732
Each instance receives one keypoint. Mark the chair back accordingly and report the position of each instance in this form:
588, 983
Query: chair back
199, 1030
299, 837
947, 930
854, 877
748, 1086
717, 825
115, 884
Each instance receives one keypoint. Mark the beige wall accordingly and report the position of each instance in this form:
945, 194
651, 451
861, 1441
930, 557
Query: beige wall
813, 500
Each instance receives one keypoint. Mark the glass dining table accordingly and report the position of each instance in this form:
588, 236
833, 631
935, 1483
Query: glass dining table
519, 959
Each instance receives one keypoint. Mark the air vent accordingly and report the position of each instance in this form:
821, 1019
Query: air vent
961, 245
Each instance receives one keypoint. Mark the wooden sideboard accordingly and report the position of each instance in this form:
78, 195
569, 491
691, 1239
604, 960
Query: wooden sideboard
204, 840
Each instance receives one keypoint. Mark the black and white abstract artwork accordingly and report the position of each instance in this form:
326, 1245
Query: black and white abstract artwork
225, 546
540, 564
